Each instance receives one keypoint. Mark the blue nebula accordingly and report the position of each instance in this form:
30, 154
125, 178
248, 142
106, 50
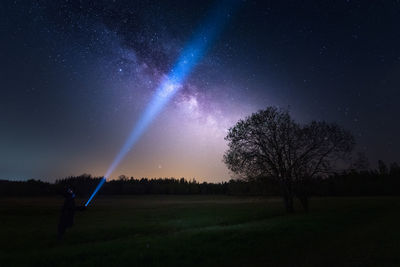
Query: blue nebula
192, 53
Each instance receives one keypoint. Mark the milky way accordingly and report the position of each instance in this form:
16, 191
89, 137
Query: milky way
78, 74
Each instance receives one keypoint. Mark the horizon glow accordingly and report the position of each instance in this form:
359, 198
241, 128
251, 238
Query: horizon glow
190, 56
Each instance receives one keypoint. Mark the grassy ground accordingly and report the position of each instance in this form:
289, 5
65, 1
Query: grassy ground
202, 231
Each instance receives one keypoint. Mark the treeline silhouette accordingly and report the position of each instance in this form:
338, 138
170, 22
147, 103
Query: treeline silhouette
84, 185
383, 181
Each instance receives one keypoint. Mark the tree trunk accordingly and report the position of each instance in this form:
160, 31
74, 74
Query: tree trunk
302, 192
288, 198
304, 201
289, 204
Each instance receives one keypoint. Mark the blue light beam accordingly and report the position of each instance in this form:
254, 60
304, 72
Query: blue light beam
190, 56
95, 191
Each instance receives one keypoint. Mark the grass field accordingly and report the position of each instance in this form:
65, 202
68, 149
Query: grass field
202, 231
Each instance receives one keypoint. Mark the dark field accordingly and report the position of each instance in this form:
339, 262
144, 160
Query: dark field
202, 231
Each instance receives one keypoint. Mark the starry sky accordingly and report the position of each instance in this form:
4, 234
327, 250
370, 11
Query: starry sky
75, 76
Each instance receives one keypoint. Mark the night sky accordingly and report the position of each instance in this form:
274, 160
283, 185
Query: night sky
75, 76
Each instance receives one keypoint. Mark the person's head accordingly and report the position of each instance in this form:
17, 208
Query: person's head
69, 192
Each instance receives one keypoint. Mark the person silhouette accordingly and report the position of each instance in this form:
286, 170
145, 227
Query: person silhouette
67, 212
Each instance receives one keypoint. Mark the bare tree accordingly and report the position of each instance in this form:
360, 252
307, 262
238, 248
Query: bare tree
383, 169
360, 162
270, 143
